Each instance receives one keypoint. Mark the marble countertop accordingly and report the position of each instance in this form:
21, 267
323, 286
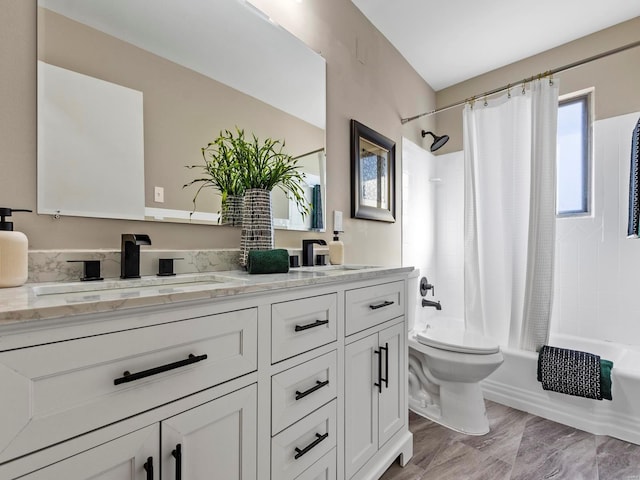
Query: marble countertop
35, 301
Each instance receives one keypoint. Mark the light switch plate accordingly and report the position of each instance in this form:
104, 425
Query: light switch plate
158, 194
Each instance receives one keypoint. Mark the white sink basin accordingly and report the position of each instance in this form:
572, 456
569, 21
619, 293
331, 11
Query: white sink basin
181, 280
332, 269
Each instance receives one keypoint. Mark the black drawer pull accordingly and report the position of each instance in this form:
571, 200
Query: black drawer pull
318, 439
379, 383
317, 323
148, 466
386, 303
385, 379
317, 386
131, 377
177, 454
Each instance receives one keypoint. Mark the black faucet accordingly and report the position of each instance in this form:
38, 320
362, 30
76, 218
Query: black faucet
307, 251
130, 254
429, 303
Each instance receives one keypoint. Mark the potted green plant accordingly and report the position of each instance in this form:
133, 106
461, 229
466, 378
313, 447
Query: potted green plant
222, 172
236, 166
264, 166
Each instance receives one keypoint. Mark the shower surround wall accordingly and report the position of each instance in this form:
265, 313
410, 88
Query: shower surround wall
419, 185
596, 265
596, 285
432, 222
449, 233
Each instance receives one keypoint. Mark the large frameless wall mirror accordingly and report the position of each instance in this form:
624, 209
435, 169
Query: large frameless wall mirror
129, 93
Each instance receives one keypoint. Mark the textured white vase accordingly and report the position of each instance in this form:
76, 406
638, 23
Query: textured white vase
231, 211
257, 223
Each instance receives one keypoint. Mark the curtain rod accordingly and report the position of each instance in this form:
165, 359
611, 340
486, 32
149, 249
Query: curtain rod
526, 80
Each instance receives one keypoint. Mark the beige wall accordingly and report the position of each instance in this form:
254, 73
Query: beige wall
615, 78
372, 84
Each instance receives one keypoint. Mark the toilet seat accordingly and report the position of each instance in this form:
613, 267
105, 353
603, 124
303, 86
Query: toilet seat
456, 340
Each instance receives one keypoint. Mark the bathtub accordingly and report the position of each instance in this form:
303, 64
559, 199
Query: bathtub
514, 384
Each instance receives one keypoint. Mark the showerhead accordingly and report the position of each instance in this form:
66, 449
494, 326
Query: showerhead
437, 141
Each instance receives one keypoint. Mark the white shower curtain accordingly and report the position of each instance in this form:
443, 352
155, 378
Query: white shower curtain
510, 190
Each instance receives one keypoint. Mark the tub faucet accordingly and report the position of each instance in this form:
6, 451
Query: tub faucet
130, 254
429, 303
307, 251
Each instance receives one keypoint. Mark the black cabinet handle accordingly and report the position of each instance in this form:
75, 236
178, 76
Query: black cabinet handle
177, 454
385, 379
317, 386
379, 383
318, 439
317, 323
131, 377
386, 303
148, 466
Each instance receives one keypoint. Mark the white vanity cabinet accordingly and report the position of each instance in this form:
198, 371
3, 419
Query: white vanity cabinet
375, 378
259, 384
66, 388
218, 436
304, 391
59, 390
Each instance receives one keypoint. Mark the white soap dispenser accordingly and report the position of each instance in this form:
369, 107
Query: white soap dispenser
336, 250
14, 248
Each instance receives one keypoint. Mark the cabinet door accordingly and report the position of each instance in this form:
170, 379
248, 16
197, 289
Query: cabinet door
392, 409
218, 438
124, 458
361, 403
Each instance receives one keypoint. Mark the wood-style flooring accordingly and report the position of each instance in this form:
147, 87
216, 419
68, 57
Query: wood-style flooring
520, 446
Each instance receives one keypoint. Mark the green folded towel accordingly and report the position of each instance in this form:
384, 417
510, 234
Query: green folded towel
605, 378
268, 261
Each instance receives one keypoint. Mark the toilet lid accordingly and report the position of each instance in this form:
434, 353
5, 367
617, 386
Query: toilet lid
456, 340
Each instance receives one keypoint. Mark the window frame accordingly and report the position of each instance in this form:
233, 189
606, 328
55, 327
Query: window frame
585, 97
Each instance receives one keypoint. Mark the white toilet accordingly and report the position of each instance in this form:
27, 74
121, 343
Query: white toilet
446, 364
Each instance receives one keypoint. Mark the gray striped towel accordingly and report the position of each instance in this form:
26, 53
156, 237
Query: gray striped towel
569, 371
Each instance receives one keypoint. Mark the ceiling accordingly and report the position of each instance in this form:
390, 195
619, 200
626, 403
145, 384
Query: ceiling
450, 41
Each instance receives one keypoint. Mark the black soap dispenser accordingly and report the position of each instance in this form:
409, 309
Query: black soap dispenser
14, 248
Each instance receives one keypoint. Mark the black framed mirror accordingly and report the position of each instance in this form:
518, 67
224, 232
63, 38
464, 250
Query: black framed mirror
373, 160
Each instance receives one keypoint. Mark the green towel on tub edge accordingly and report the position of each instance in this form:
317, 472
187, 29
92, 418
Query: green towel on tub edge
268, 261
605, 378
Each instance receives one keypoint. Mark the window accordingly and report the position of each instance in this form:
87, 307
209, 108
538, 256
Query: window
573, 153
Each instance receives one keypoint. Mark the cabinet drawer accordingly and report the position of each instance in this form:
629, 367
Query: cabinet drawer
300, 390
309, 439
56, 391
369, 306
301, 325
323, 469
